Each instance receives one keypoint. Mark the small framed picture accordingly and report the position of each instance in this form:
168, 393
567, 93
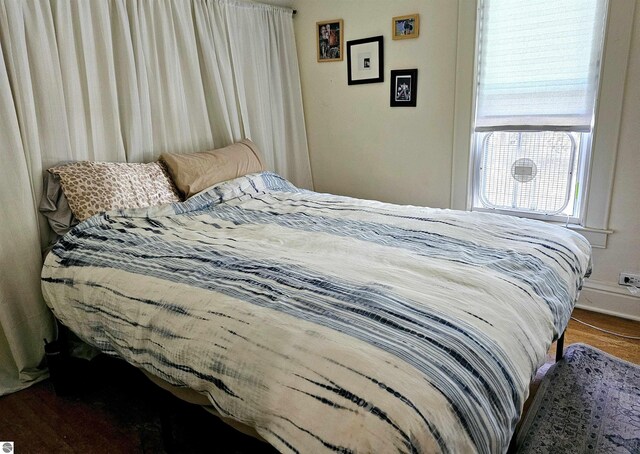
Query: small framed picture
329, 35
406, 27
404, 87
365, 61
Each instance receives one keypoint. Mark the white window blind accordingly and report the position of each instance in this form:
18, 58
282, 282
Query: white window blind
538, 64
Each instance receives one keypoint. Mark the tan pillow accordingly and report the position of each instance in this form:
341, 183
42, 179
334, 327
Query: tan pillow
194, 172
94, 187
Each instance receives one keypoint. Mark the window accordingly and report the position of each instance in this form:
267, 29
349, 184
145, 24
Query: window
538, 68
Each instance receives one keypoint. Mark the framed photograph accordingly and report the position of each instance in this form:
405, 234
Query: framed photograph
329, 36
365, 61
404, 87
406, 27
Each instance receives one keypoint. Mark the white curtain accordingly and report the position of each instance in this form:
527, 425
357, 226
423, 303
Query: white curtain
125, 80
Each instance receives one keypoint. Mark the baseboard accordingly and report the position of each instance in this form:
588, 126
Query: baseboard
611, 299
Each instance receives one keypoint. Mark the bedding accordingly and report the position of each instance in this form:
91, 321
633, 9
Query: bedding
326, 323
194, 172
54, 205
94, 187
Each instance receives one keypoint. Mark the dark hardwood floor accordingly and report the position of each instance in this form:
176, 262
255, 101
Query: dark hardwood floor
119, 411
115, 409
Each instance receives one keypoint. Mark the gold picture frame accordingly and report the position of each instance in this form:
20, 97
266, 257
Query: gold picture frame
405, 27
330, 40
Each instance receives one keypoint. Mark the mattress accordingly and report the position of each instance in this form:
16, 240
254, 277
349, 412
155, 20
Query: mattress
326, 323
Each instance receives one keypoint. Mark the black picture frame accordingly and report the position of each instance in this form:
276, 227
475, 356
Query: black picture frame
404, 88
365, 61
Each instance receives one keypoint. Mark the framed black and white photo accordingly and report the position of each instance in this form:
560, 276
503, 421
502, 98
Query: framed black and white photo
404, 87
330, 38
365, 61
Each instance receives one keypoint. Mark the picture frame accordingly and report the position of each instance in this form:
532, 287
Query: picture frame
404, 88
405, 27
365, 61
330, 40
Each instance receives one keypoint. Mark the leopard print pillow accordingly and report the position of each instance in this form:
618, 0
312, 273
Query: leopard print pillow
95, 187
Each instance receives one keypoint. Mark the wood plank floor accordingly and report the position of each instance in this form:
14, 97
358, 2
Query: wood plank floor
121, 412
626, 349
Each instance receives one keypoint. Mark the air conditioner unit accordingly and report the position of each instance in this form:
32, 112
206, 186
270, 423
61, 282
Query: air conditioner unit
527, 171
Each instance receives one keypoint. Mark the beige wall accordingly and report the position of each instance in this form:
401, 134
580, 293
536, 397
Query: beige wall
623, 248
361, 147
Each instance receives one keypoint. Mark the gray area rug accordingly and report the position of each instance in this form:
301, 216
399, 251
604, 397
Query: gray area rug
587, 403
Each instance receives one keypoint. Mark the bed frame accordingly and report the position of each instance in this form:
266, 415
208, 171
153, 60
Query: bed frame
560, 346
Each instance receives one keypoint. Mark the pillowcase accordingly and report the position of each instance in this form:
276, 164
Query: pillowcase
94, 187
193, 172
54, 205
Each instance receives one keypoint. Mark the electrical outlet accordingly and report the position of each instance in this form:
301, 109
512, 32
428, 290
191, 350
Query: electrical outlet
629, 280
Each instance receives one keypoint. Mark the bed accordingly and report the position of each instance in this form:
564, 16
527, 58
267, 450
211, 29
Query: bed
326, 323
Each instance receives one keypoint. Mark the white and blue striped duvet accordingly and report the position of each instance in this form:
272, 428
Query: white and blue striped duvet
325, 322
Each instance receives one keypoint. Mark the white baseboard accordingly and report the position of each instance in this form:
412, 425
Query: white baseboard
611, 299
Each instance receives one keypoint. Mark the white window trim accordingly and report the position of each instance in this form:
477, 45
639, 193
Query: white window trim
599, 188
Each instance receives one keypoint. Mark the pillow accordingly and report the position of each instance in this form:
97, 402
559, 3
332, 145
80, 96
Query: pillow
94, 187
54, 205
193, 172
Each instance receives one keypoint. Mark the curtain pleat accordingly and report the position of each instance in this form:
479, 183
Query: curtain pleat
124, 80
267, 81
216, 67
24, 319
167, 50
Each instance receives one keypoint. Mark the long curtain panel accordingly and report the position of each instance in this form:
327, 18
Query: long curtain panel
125, 80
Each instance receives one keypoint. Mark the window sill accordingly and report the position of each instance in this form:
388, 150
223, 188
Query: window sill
596, 237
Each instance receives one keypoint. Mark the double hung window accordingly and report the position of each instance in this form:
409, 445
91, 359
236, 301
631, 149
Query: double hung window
538, 69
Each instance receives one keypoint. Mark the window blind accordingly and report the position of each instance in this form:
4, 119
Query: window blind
538, 64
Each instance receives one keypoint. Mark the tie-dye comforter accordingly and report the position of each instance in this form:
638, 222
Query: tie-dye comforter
325, 322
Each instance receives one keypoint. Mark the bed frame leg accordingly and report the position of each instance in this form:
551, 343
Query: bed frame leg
166, 410
166, 431
560, 347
